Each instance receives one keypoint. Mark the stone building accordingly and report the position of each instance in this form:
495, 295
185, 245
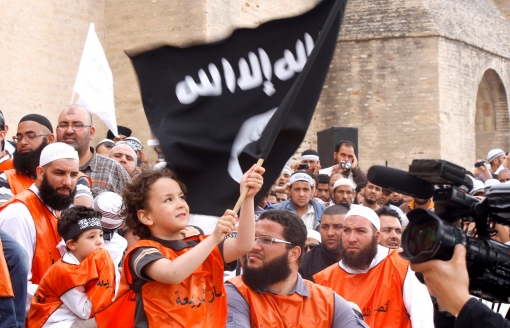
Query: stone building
419, 78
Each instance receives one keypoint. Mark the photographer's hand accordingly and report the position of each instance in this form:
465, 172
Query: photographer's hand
448, 281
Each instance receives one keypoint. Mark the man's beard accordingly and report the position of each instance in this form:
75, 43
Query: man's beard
362, 259
270, 273
370, 201
420, 201
26, 163
52, 198
397, 204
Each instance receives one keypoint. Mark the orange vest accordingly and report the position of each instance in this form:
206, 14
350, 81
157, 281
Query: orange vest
270, 310
96, 272
378, 292
5, 277
20, 182
47, 238
6, 165
198, 301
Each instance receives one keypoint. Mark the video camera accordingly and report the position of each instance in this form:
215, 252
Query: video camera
433, 235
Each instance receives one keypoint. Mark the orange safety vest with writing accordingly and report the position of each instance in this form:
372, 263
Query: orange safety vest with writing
5, 277
378, 292
198, 301
6, 165
96, 273
46, 235
271, 310
20, 182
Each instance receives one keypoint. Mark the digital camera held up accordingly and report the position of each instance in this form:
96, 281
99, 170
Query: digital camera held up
346, 165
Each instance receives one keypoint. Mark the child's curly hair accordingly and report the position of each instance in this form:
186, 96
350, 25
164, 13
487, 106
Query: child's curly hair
135, 197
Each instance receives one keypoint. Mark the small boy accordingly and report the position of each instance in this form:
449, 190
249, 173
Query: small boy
82, 282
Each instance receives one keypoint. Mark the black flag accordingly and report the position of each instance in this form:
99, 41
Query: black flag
216, 108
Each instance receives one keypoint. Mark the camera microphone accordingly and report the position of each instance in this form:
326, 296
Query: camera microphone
399, 181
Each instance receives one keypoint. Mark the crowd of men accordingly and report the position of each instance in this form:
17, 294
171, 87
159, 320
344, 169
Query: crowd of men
327, 240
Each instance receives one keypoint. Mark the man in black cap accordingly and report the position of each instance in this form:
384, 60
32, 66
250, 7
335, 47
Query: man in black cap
34, 133
123, 133
7, 149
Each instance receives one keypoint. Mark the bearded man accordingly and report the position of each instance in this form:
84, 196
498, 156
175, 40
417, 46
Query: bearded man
31, 216
377, 278
33, 134
271, 292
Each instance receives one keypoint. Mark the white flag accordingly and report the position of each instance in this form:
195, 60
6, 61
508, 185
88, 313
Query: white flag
94, 82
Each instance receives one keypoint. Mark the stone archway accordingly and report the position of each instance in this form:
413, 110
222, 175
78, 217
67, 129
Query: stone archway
492, 124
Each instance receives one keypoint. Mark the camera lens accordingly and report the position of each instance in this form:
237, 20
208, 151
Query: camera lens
423, 237
427, 237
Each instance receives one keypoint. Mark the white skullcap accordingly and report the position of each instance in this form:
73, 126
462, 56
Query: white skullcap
57, 150
287, 169
343, 182
477, 186
108, 204
314, 234
300, 176
367, 213
106, 141
160, 166
493, 154
490, 182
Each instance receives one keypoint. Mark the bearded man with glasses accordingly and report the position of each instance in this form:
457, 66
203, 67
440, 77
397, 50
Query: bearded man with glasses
34, 132
271, 292
75, 128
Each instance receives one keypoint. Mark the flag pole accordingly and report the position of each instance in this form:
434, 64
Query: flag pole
72, 98
245, 191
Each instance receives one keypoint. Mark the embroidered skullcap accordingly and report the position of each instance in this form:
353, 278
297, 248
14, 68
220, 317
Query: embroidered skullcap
109, 204
135, 143
493, 154
55, 151
343, 182
300, 176
39, 119
367, 213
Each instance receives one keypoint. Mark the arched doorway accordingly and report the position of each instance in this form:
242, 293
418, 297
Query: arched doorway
492, 119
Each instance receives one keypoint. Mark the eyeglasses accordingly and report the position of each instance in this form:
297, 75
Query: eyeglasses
28, 135
266, 240
309, 247
75, 126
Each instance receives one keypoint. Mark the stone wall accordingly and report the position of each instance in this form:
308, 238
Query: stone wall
388, 89
41, 46
461, 70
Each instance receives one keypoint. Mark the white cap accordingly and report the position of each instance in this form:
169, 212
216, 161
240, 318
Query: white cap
57, 150
109, 204
490, 182
287, 169
300, 176
314, 234
493, 154
343, 182
367, 213
477, 186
